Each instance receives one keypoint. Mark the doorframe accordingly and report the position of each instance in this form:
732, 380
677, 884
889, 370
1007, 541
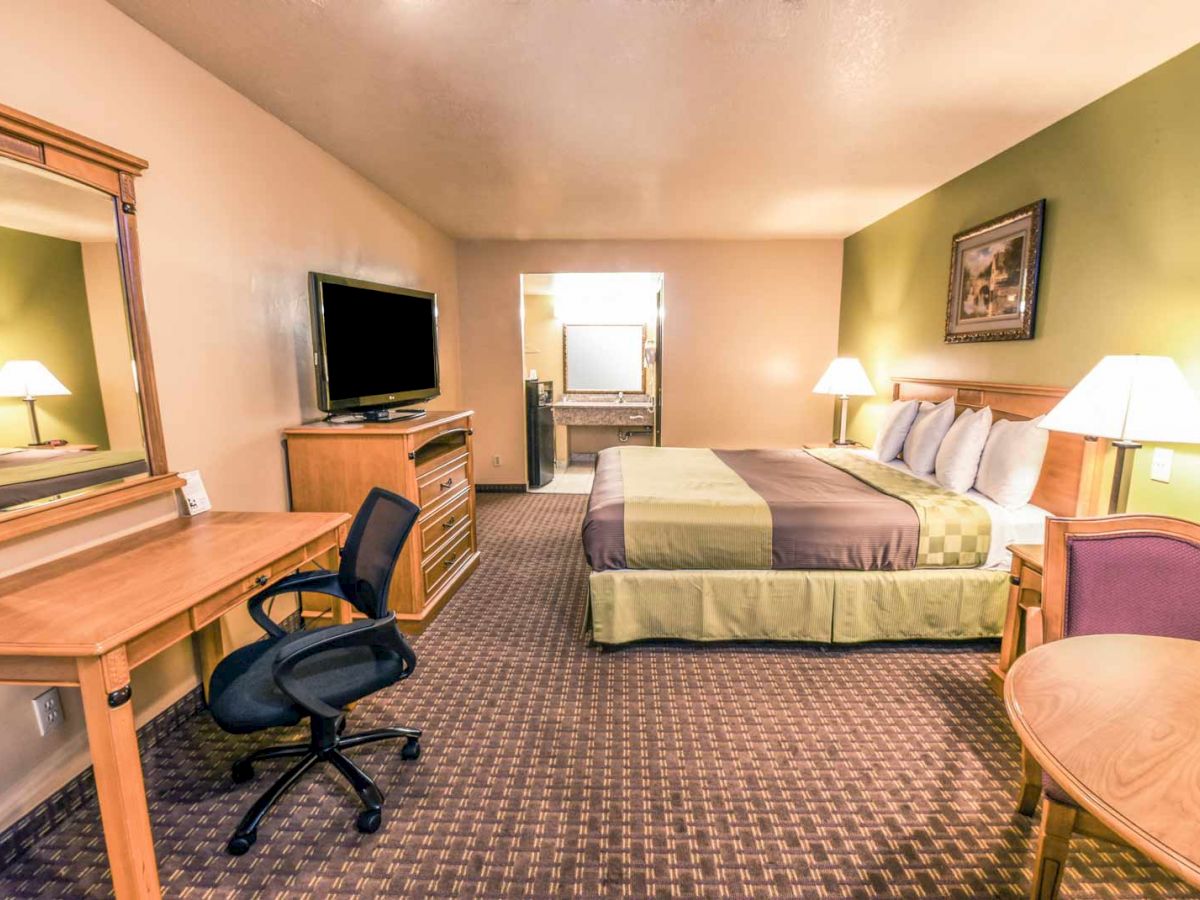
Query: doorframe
658, 360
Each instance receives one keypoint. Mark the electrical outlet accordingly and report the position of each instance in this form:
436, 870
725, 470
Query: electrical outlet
1160, 464
496, 460
47, 706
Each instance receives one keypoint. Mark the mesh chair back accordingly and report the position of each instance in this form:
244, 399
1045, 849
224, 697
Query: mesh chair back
372, 549
1136, 583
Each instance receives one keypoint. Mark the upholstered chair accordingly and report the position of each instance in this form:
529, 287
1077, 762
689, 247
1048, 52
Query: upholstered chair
1112, 575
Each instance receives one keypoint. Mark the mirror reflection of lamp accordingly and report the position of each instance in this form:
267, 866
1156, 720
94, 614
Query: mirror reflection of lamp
29, 379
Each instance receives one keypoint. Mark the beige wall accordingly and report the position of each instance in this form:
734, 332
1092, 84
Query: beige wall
235, 210
748, 328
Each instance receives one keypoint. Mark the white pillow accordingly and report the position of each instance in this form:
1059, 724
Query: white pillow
925, 436
897, 419
957, 459
1012, 462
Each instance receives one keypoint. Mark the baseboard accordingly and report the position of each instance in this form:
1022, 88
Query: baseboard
500, 489
81, 790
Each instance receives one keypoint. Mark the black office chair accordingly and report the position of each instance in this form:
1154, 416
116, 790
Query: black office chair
315, 673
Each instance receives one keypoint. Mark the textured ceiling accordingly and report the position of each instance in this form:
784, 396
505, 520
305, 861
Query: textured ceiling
668, 118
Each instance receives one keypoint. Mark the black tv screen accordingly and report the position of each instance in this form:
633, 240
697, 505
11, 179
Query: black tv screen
375, 345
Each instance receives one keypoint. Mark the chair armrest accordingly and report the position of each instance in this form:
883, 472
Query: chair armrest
381, 633
320, 581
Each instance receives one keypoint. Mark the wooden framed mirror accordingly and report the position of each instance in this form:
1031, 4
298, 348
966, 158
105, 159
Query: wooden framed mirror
80, 430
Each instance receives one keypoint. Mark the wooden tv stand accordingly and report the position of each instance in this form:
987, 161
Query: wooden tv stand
428, 460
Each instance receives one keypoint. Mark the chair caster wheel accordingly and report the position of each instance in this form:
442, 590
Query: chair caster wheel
242, 772
239, 844
411, 749
369, 821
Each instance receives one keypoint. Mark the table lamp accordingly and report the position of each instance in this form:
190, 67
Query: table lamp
1130, 399
845, 378
29, 379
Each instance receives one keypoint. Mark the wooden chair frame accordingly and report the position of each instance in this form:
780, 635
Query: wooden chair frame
1060, 820
41, 145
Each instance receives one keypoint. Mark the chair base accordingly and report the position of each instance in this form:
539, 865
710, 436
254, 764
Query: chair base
326, 745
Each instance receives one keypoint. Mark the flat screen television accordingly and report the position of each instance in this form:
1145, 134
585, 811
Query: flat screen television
375, 346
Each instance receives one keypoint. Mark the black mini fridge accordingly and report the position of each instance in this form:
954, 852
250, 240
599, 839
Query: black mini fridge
539, 431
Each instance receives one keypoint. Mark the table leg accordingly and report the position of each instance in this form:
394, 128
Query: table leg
112, 739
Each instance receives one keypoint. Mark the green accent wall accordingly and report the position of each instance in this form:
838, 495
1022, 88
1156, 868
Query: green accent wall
44, 316
1120, 260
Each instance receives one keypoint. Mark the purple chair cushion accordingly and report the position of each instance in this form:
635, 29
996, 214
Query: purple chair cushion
1132, 584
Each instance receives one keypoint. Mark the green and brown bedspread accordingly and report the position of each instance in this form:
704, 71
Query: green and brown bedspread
681, 508
955, 531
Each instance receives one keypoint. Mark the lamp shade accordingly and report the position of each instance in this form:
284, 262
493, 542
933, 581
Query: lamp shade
29, 378
845, 377
1131, 398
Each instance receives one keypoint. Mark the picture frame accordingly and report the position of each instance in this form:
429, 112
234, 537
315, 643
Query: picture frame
994, 278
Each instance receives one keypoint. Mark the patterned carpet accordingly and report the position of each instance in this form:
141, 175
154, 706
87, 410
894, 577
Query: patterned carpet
553, 770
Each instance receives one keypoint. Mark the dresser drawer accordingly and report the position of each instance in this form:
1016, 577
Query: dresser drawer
444, 561
438, 525
443, 482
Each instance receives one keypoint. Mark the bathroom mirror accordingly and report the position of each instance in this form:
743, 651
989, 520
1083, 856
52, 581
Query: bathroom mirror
78, 415
602, 359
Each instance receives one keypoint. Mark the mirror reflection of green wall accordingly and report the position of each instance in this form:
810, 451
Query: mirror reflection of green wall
44, 316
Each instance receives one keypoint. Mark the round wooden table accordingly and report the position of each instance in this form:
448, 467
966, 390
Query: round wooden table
1115, 720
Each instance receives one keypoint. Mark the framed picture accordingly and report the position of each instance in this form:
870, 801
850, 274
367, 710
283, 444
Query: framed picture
994, 278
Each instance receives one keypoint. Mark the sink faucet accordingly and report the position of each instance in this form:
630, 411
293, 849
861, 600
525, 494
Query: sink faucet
620, 396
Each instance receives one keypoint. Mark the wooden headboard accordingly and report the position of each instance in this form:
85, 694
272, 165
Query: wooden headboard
1070, 482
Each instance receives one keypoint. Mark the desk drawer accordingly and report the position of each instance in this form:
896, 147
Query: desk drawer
443, 482
237, 594
444, 561
438, 525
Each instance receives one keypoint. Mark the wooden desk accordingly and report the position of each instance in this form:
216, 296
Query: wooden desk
1115, 721
1024, 594
90, 617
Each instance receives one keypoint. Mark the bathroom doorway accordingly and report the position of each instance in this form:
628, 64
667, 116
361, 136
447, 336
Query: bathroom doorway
592, 371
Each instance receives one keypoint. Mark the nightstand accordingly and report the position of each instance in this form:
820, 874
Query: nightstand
1025, 592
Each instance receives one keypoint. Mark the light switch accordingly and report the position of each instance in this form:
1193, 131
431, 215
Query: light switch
1160, 464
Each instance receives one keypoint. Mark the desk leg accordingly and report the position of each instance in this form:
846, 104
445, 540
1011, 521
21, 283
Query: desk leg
112, 740
209, 643
342, 614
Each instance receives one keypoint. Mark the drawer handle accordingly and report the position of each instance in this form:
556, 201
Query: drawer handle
261, 580
445, 485
450, 560
450, 522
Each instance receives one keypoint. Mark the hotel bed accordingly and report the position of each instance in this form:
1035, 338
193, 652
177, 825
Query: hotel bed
820, 545
36, 473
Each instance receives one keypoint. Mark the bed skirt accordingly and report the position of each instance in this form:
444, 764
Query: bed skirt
826, 606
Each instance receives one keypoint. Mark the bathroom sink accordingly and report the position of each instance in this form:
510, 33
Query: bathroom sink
591, 402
